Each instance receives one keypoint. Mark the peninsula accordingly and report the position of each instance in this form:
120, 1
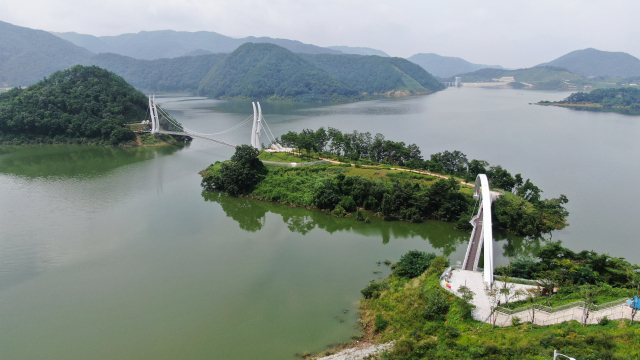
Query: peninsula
370, 176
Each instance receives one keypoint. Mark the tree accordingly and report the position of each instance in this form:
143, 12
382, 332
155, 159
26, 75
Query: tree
239, 175
500, 178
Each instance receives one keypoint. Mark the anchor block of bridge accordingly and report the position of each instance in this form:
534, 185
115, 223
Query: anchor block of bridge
482, 233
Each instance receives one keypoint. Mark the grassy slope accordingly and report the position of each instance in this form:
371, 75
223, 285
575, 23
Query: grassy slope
402, 304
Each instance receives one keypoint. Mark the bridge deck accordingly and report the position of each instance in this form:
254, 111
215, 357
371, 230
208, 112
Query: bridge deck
471, 262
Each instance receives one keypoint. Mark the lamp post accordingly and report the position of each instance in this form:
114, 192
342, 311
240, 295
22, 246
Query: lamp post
556, 354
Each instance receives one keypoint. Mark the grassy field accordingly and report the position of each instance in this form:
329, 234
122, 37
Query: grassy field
284, 157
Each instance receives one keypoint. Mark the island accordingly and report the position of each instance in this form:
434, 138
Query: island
359, 175
80, 105
624, 100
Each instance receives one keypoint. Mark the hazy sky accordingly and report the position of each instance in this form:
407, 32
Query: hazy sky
512, 33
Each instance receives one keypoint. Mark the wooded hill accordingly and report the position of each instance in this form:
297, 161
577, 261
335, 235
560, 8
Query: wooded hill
78, 105
266, 71
377, 75
263, 71
177, 74
27, 55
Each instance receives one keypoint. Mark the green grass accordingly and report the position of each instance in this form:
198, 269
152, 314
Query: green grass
283, 157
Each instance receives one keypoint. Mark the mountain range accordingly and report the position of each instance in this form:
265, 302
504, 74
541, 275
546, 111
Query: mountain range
446, 66
28, 55
593, 62
152, 45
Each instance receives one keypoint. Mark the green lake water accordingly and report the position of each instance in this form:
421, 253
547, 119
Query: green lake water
116, 253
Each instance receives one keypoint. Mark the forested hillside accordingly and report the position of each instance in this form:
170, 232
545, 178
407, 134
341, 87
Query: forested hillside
593, 62
81, 105
446, 66
151, 45
375, 74
266, 71
177, 74
28, 55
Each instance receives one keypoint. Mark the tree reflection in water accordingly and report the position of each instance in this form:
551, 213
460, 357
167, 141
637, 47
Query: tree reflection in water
250, 215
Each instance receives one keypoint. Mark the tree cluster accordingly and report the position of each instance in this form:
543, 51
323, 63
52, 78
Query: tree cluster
239, 175
395, 200
565, 267
86, 103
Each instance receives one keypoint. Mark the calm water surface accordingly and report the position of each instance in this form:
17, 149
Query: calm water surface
116, 253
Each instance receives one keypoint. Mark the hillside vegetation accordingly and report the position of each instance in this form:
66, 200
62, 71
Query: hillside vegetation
593, 62
27, 55
79, 105
376, 74
177, 74
410, 308
266, 71
446, 66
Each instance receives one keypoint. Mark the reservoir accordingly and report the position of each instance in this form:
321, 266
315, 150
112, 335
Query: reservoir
117, 253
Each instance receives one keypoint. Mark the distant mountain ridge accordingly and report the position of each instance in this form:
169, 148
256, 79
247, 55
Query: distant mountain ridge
27, 55
359, 50
152, 45
446, 66
593, 62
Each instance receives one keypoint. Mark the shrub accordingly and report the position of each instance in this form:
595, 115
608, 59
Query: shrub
359, 215
372, 291
367, 220
414, 263
437, 306
348, 204
339, 211
380, 323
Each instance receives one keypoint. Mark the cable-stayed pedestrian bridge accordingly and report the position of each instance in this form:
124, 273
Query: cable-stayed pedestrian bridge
162, 123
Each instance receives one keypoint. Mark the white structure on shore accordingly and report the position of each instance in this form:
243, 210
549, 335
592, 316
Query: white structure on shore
482, 234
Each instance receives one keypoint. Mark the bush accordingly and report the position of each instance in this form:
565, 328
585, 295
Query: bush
339, 211
380, 323
348, 204
414, 263
437, 306
359, 215
372, 291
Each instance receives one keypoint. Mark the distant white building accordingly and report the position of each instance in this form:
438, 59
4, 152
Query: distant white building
458, 81
509, 79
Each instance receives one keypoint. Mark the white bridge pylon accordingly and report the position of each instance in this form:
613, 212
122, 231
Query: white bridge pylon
482, 233
259, 124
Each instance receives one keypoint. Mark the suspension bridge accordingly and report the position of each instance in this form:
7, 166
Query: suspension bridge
162, 123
